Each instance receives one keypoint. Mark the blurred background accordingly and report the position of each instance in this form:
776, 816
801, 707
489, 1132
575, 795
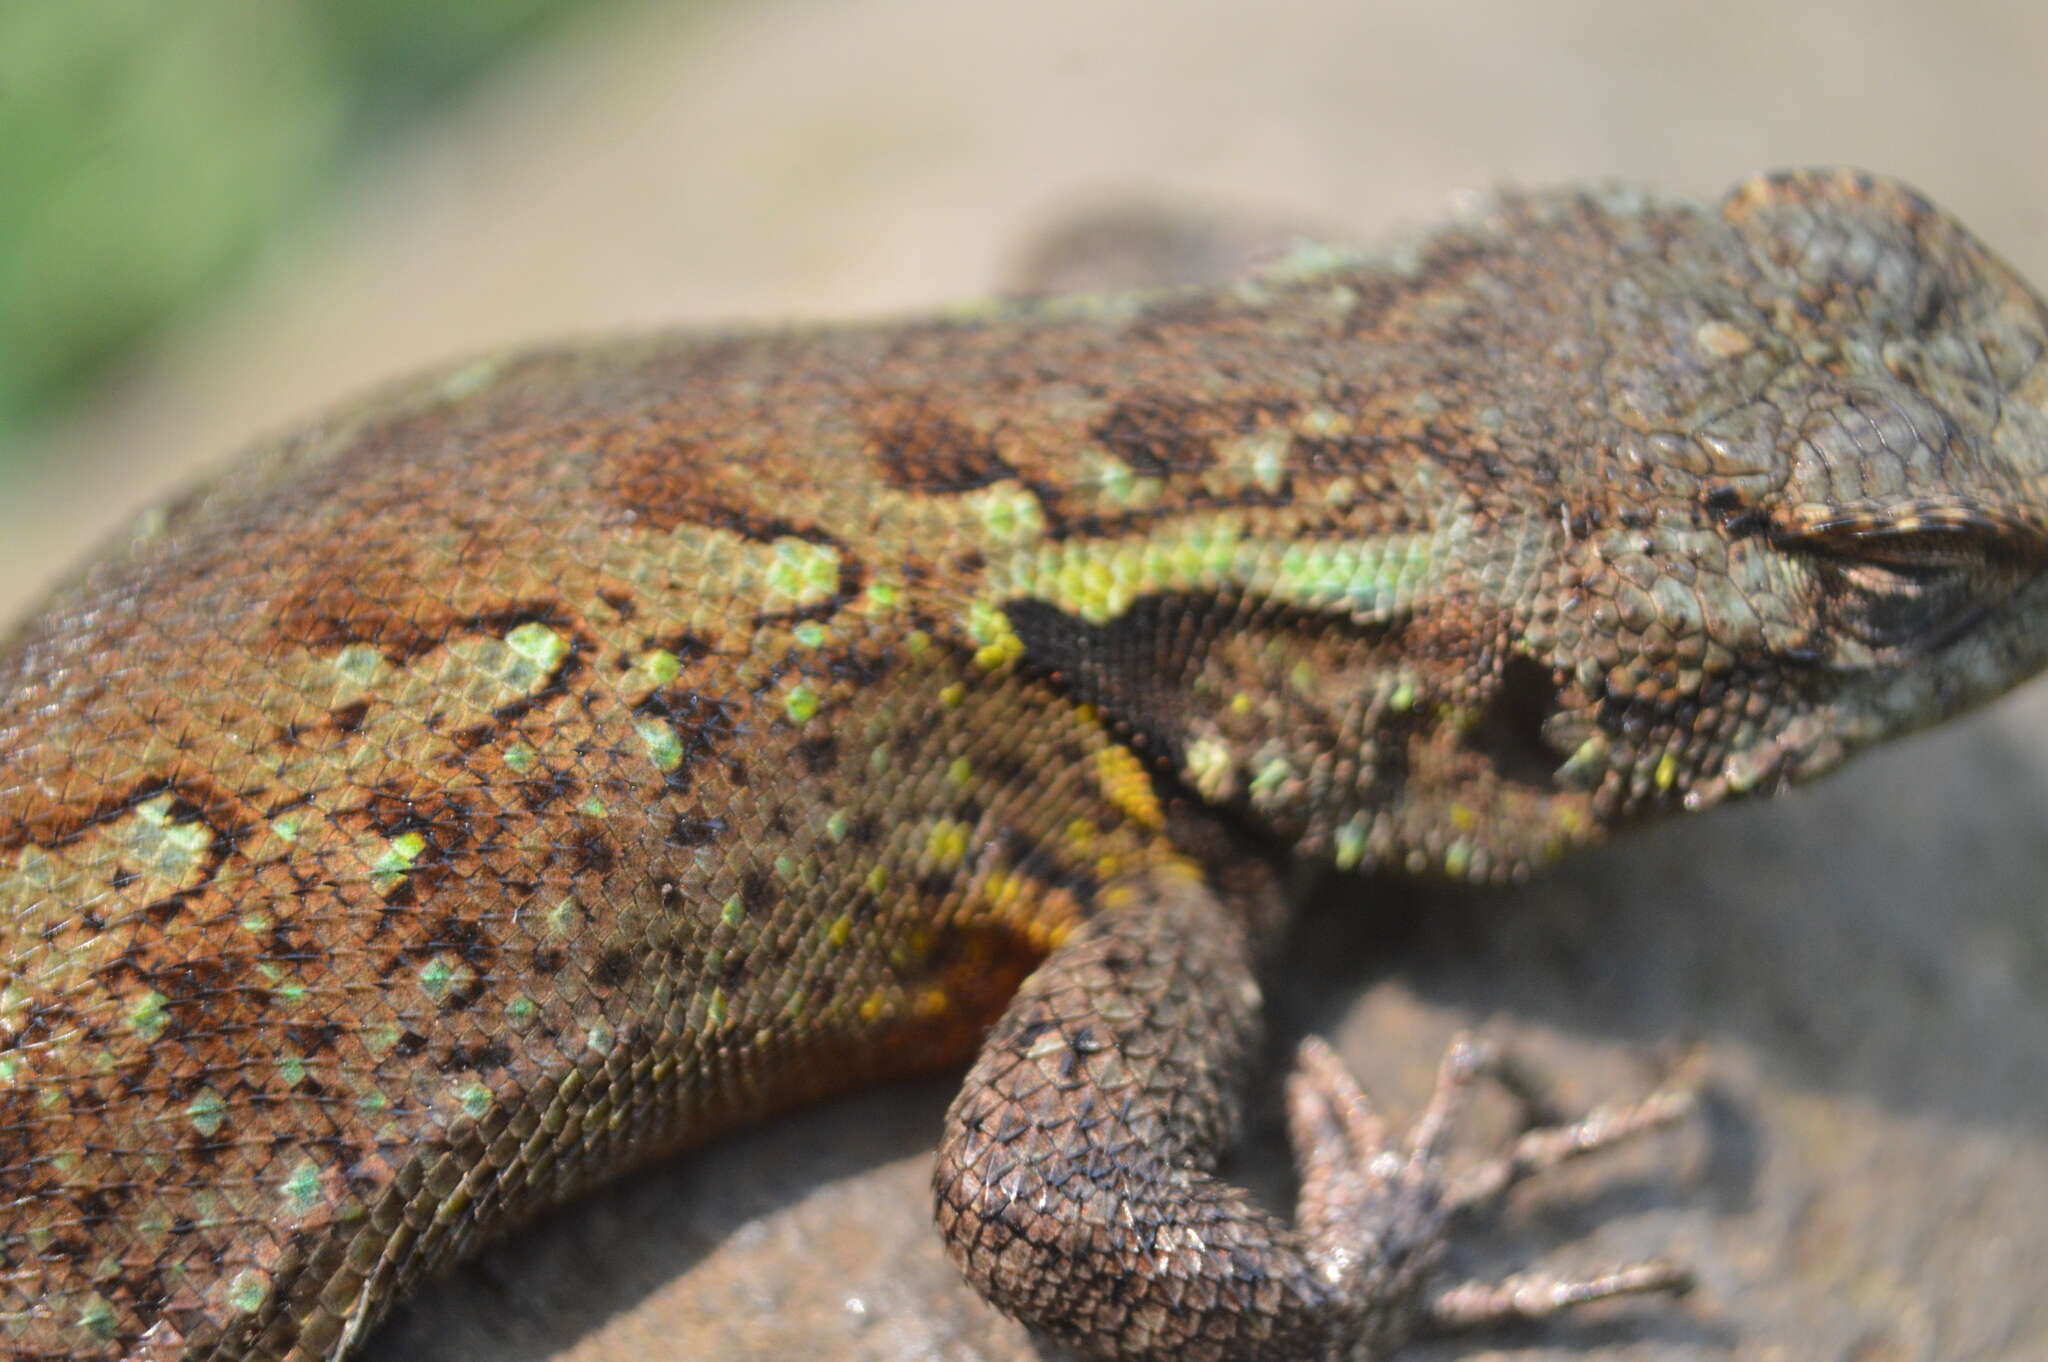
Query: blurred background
219, 215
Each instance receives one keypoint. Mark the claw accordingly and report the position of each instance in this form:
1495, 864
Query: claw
1466, 1061
1536, 1151
1534, 1296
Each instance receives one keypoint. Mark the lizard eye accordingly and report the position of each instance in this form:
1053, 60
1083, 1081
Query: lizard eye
1910, 592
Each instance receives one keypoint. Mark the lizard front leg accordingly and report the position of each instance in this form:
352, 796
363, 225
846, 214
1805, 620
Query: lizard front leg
1075, 1183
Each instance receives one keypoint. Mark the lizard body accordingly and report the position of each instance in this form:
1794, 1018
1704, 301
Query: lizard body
560, 759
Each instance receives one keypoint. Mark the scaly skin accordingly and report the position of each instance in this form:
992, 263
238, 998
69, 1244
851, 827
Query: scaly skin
546, 765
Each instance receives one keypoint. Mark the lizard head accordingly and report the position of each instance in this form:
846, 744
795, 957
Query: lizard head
1836, 411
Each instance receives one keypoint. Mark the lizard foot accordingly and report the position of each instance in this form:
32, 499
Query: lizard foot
1380, 1211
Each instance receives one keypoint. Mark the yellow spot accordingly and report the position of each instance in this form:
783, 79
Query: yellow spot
1458, 858
878, 879
840, 932
399, 857
664, 748
800, 704
946, 844
960, 771
933, 1002
1209, 768
990, 628
1081, 833
1667, 771
1349, 846
1463, 818
1240, 703
538, 644
873, 1007
952, 695
1123, 779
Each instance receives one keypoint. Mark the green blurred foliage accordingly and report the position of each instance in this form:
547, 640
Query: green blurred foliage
147, 145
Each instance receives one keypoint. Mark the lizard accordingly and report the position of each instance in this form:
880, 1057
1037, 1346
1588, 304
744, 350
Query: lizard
555, 761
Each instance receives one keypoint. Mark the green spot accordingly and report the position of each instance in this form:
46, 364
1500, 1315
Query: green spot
97, 1318
374, 1102
882, 595
521, 1012
389, 869
147, 1017
800, 704
661, 666
1009, 512
248, 1290
1458, 858
538, 644
714, 1008
359, 662
10, 1069
520, 757
601, 1039
785, 868
285, 828
435, 976
836, 825
806, 573
1403, 698
476, 1101
292, 1069
811, 634
1271, 777
207, 1112
594, 807
663, 746
302, 1188
878, 759
733, 913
